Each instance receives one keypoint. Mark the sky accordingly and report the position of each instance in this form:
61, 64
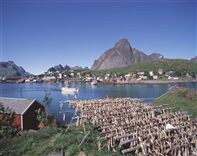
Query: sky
38, 34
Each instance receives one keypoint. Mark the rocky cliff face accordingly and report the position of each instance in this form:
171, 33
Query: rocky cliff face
10, 69
121, 55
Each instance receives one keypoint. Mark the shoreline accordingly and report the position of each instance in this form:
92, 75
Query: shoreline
119, 82
154, 81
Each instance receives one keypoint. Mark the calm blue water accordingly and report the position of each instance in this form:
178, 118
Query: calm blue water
86, 91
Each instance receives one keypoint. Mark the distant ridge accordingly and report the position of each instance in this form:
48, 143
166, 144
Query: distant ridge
66, 67
194, 59
122, 55
10, 69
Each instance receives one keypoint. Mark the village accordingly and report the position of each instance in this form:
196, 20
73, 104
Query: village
107, 78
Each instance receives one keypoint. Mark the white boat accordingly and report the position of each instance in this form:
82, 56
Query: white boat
69, 90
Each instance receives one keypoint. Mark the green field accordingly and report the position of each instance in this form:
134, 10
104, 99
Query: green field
182, 99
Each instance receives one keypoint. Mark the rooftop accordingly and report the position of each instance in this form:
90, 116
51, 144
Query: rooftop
18, 105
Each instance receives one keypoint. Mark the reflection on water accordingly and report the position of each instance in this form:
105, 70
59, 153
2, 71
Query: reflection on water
146, 92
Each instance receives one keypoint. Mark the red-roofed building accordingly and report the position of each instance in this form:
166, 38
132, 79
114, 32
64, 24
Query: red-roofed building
25, 111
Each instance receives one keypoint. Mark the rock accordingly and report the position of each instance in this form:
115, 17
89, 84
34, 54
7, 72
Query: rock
121, 55
10, 69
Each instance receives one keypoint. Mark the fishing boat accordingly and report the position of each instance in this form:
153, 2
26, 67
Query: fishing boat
69, 90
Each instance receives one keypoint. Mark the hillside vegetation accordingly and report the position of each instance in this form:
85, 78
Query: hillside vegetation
181, 99
49, 139
180, 66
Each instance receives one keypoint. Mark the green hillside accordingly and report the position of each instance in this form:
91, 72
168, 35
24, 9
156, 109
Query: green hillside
182, 67
181, 99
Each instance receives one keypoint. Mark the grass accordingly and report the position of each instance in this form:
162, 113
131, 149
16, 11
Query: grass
53, 140
182, 99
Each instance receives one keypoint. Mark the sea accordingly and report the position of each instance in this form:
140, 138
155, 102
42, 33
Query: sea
145, 92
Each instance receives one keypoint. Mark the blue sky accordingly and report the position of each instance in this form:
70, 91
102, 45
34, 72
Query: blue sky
42, 33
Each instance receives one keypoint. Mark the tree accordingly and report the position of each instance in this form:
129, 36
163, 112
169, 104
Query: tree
47, 100
6, 122
42, 118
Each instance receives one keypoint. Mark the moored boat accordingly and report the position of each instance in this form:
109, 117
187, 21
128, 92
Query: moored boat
69, 90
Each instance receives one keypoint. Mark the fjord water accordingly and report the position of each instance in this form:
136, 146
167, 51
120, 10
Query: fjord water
146, 92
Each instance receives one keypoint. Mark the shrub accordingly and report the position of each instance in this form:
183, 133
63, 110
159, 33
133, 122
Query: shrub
6, 122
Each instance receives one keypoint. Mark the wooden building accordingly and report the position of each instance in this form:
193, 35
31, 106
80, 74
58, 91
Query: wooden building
25, 111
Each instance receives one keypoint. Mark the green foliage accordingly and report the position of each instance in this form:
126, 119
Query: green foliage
182, 99
46, 120
51, 139
47, 100
41, 116
28, 143
6, 122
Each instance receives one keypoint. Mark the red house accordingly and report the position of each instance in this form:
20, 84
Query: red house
25, 111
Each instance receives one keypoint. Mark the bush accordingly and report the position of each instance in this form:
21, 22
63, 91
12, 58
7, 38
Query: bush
7, 129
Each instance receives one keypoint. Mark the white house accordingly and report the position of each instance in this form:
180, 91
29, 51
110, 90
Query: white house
160, 71
140, 73
60, 76
151, 73
48, 78
144, 77
72, 74
155, 77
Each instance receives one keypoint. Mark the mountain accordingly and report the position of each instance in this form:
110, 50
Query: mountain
77, 68
194, 59
121, 55
57, 68
66, 67
10, 69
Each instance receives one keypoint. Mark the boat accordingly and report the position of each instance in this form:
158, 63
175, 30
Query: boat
69, 90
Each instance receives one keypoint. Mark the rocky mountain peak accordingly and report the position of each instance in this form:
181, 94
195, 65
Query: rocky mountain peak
10, 69
123, 44
121, 55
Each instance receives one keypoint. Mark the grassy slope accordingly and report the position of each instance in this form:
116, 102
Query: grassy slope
182, 99
53, 139
166, 64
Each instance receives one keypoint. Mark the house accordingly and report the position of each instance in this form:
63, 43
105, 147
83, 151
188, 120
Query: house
107, 76
155, 77
60, 75
72, 74
160, 71
151, 73
25, 111
88, 79
49, 78
173, 78
144, 77
141, 73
